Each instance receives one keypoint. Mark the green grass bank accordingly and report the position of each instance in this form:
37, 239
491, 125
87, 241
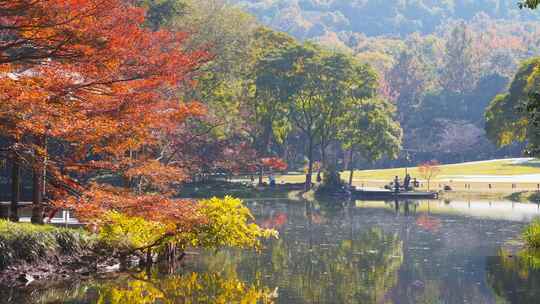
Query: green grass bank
22, 243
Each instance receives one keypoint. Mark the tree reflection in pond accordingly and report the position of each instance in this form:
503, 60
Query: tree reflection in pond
362, 252
361, 269
188, 288
326, 259
207, 287
515, 278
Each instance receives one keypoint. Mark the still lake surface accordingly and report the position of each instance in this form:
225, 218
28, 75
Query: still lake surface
350, 252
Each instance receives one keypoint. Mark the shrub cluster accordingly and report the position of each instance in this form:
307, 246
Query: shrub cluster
21, 242
531, 235
228, 223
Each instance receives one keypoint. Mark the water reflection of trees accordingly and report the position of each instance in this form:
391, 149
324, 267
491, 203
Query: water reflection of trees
515, 278
204, 287
336, 254
327, 259
191, 287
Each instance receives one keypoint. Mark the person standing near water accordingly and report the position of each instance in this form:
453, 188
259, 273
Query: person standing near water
272, 180
407, 182
396, 184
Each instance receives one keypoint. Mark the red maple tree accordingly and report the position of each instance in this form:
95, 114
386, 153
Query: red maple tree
87, 92
429, 170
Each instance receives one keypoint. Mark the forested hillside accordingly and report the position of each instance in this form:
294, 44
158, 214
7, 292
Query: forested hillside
311, 18
210, 92
440, 62
362, 91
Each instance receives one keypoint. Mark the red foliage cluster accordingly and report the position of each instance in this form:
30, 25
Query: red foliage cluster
429, 223
91, 97
201, 153
87, 91
429, 169
274, 163
275, 222
151, 207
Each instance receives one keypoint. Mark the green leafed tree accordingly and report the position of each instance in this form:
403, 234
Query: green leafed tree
305, 104
460, 72
270, 86
529, 4
313, 85
343, 78
227, 32
162, 12
370, 130
514, 116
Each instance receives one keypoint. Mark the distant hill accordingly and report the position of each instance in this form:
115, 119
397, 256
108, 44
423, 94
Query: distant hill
417, 47
309, 19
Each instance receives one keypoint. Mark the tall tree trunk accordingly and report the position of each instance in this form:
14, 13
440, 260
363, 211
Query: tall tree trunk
37, 208
38, 184
336, 156
149, 258
265, 147
310, 164
37, 188
351, 166
267, 138
285, 155
261, 174
15, 189
323, 160
4, 211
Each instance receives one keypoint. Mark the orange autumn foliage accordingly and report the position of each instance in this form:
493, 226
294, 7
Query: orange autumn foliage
429, 170
86, 90
274, 163
275, 222
152, 207
428, 223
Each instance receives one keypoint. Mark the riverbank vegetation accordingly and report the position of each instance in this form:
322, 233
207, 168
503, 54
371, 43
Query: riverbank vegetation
531, 235
478, 180
525, 196
239, 188
27, 243
122, 239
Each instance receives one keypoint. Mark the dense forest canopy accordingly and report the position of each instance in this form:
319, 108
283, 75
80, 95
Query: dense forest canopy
156, 93
312, 18
439, 62
244, 97
112, 109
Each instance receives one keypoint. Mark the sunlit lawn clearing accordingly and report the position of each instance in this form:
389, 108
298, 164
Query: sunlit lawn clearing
495, 168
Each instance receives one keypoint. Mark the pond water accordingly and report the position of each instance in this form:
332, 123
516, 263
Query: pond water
355, 252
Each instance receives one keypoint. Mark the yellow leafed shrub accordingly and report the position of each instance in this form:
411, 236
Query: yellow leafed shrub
230, 224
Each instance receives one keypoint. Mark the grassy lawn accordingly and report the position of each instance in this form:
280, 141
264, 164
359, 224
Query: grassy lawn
377, 178
496, 167
23, 242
